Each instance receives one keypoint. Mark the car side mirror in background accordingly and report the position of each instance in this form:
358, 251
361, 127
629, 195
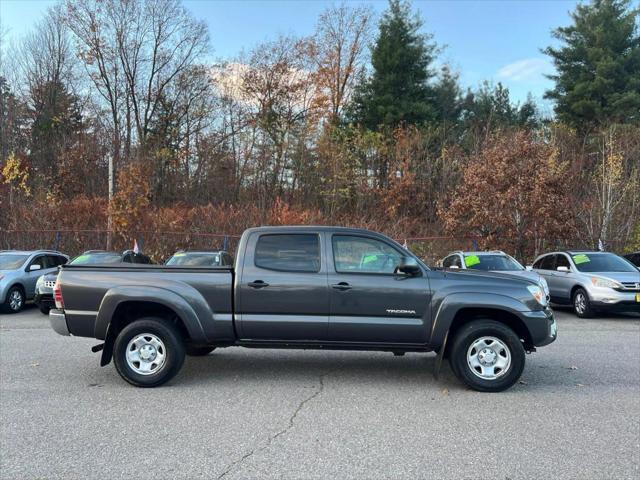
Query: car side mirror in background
563, 269
34, 267
528, 268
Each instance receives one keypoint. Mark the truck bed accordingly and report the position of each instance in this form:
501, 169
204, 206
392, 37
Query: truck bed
206, 291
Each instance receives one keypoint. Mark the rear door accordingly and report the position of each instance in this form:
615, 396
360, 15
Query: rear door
282, 288
369, 303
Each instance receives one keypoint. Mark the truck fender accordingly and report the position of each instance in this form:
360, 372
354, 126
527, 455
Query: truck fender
455, 302
189, 315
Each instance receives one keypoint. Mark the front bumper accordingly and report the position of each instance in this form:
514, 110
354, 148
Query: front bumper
542, 326
58, 322
614, 300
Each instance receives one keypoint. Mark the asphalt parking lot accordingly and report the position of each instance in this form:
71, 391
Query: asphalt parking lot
242, 413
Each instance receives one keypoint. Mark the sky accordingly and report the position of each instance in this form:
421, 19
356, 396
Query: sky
494, 40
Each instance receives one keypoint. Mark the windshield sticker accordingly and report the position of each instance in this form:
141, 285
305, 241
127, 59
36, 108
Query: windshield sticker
369, 258
471, 260
582, 258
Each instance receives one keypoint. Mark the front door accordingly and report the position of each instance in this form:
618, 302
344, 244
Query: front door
368, 302
282, 289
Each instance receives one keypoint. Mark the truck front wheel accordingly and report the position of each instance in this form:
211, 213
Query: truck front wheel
487, 356
148, 352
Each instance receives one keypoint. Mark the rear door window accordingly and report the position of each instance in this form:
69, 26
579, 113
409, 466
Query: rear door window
288, 252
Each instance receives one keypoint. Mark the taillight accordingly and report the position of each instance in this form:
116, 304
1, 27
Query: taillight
57, 294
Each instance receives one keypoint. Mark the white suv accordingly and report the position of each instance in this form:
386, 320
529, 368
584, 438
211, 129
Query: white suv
493, 261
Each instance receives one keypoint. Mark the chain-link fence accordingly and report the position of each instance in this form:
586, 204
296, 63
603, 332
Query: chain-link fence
160, 245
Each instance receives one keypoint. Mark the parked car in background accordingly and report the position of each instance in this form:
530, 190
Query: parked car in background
591, 281
44, 286
201, 259
19, 273
492, 261
634, 258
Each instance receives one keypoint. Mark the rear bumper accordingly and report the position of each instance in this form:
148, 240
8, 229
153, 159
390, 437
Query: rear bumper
58, 322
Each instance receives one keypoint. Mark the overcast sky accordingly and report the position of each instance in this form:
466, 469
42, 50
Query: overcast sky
497, 40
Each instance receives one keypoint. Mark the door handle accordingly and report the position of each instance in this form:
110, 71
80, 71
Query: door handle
341, 286
258, 284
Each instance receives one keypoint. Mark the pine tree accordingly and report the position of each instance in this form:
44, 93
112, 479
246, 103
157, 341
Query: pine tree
598, 66
398, 90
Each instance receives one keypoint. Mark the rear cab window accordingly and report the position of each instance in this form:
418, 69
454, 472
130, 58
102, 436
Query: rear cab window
288, 252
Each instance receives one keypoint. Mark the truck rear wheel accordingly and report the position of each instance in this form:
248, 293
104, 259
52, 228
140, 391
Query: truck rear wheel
148, 352
487, 356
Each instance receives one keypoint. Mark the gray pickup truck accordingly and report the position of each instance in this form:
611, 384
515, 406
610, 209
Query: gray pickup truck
308, 288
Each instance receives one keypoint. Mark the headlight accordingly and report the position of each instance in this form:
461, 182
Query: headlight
538, 294
40, 281
604, 283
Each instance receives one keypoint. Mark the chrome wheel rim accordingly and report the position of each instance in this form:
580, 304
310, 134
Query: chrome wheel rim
146, 354
489, 358
15, 300
580, 303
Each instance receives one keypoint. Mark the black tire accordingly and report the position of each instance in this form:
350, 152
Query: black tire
198, 351
15, 294
174, 351
44, 309
582, 304
462, 346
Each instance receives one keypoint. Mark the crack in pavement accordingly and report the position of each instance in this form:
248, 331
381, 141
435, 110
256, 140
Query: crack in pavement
270, 440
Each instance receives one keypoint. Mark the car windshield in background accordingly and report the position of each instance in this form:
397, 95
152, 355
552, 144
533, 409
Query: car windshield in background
96, 259
195, 259
12, 262
491, 262
601, 262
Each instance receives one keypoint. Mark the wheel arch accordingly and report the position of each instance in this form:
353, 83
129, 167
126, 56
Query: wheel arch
467, 315
461, 308
123, 305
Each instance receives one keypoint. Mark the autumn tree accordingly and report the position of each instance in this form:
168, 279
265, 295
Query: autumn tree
512, 195
339, 51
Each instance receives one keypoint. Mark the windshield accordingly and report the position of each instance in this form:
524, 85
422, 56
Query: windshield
11, 261
491, 262
96, 258
195, 259
601, 262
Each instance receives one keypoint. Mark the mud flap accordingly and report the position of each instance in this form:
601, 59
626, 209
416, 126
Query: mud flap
440, 357
107, 350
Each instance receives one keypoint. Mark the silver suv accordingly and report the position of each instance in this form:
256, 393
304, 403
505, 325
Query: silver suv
19, 272
590, 281
493, 261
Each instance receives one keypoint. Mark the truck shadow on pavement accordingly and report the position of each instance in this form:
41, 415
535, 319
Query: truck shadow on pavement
226, 367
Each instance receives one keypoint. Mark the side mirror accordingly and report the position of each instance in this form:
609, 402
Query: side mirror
408, 267
34, 267
563, 269
528, 268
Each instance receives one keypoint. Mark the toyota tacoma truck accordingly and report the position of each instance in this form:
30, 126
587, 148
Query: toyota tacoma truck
306, 288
